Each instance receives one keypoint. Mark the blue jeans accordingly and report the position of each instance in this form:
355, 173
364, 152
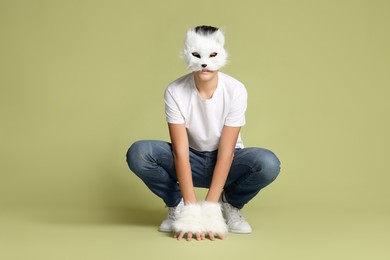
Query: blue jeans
252, 169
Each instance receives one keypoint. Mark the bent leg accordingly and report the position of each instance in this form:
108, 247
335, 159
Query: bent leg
152, 162
252, 169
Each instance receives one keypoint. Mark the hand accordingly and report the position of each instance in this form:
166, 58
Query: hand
213, 221
198, 236
212, 236
200, 220
189, 223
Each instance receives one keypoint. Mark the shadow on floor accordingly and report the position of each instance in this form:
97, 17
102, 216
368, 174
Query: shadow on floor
107, 216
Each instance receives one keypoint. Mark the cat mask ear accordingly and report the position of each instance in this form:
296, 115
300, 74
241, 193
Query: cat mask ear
219, 37
204, 50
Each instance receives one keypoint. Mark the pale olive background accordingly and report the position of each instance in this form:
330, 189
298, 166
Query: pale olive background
81, 80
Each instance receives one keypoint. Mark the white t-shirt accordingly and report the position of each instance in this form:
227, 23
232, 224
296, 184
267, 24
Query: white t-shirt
204, 119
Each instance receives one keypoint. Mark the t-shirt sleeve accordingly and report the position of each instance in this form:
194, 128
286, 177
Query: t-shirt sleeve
236, 115
172, 111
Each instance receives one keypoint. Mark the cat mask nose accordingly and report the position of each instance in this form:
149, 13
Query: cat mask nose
204, 65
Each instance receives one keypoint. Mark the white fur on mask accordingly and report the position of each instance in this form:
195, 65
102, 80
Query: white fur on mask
204, 45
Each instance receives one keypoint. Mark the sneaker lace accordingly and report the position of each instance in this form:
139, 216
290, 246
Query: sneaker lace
173, 212
233, 214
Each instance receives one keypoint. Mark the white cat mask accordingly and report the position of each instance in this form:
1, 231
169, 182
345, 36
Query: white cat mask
204, 50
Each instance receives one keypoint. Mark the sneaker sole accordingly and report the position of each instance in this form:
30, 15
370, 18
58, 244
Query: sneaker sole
165, 230
240, 231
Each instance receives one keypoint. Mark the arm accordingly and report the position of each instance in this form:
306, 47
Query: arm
226, 147
180, 147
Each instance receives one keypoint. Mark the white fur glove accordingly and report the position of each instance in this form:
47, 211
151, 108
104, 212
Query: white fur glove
189, 220
212, 218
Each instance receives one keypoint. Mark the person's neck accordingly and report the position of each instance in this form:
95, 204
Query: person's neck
206, 88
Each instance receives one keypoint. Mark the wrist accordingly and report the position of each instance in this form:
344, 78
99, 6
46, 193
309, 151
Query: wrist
190, 199
213, 195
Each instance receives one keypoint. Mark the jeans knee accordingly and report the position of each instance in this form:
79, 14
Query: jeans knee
272, 166
269, 164
134, 155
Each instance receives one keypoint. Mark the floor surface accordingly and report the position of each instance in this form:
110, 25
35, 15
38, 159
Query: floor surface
125, 233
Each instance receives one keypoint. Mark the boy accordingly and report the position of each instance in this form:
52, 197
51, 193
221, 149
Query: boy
205, 110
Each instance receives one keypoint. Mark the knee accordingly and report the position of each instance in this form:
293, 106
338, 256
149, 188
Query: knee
135, 155
269, 164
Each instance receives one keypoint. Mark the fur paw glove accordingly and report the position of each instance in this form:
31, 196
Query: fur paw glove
204, 217
189, 220
212, 218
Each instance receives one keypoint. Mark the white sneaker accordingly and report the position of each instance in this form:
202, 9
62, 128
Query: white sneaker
166, 225
235, 219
